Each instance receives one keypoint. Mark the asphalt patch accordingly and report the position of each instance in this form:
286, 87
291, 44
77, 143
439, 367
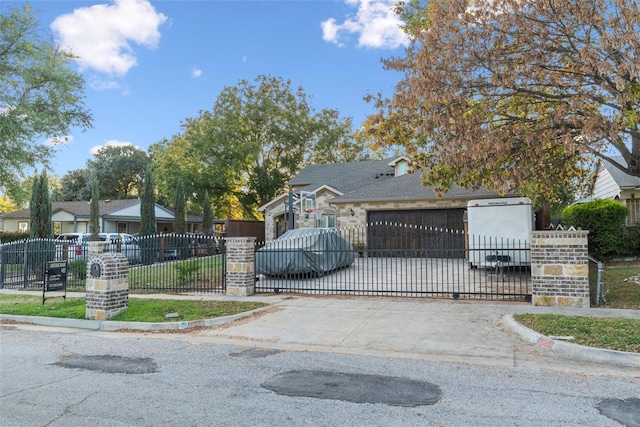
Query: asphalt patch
355, 388
254, 353
625, 411
110, 364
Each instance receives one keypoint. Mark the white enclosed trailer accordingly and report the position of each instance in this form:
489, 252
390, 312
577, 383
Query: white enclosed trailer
499, 232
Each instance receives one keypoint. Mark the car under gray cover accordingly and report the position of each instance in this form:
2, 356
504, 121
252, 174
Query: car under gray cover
304, 251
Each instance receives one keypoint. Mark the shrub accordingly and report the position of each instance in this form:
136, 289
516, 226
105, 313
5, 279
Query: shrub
605, 221
187, 271
631, 240
78, 268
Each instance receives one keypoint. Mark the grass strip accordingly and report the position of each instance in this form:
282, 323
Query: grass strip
610, 333
139, 310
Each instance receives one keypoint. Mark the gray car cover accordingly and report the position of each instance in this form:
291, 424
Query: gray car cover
304, 251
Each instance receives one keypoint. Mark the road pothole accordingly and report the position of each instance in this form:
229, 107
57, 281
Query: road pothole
356, 388
110, 364
625, 411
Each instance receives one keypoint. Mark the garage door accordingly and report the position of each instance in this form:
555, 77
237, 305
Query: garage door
411, 233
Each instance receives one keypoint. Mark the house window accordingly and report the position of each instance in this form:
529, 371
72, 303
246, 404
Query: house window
122, 227
634, 211
57, 227
23, 226
327, 221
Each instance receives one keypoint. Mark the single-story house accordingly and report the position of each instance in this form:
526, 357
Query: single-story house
359, 193
116, 216
612, 183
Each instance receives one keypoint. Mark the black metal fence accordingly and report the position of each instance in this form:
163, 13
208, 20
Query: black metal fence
397, 260
158, 263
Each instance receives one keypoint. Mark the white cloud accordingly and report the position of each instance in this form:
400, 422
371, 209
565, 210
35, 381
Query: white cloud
195, 73
111, 143
101, 84
101, 35
375, 23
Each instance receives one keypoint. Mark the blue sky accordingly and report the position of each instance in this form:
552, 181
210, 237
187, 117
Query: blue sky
149, 65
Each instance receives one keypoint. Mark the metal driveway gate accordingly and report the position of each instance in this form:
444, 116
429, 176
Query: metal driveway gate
430, 263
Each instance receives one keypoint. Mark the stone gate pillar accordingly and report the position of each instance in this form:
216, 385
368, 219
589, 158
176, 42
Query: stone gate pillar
241, 276
560, 268
107, 292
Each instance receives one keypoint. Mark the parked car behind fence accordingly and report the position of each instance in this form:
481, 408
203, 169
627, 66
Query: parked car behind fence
74, 246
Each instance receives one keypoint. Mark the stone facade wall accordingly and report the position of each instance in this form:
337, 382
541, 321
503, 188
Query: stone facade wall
560, 268
360, 210
241, 266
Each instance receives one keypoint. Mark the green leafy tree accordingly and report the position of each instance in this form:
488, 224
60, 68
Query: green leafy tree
516, 94
180, 213
120, 171
257, 136
94, 212
74, 185
40, 208
41, 96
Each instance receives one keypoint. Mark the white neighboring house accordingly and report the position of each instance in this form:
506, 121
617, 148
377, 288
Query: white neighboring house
116, 216
612, 183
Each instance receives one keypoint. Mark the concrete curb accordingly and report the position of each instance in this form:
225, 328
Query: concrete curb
112, 325
572, 351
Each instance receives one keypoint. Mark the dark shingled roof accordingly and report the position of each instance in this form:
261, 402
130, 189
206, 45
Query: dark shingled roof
80, 208
624, 180
408, 187
374, 180
344, 177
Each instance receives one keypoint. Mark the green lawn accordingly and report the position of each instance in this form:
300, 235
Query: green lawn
193, 272
140, 309
621, 291
613, 334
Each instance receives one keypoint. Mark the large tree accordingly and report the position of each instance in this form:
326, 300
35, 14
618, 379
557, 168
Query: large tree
256, 137
120, 171
74, 185
41, 96
516, 94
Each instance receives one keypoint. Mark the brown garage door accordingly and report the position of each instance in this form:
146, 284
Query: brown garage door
417, 233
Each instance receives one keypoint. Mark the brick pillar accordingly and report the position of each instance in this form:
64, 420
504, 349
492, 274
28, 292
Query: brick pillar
241, 276
560, 268
107, 292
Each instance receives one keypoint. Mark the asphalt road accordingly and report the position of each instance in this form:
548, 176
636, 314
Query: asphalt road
70, 377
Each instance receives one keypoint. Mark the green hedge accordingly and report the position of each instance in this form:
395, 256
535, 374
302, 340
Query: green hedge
6, 237
605, 221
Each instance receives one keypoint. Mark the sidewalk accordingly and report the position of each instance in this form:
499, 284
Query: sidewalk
452, 330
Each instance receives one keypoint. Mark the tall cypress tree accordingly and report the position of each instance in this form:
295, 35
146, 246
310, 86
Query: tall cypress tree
207, 224
148, 244
147, 206
40, 208
94, 212
207, 218
180, 215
